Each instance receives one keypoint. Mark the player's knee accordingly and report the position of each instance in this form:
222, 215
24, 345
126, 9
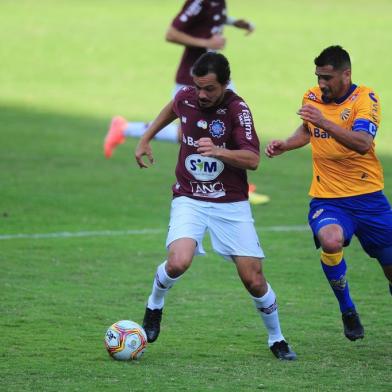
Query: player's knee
177, 264
175, 270
331, 241
256, 285
331, 259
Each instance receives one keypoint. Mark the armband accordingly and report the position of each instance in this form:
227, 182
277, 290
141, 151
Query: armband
365, 125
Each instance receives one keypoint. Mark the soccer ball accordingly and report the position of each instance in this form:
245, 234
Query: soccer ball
125, 340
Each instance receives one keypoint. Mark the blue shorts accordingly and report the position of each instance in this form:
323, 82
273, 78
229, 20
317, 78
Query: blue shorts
368, 216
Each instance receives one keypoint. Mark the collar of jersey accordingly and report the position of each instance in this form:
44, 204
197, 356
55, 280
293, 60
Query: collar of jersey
341, 99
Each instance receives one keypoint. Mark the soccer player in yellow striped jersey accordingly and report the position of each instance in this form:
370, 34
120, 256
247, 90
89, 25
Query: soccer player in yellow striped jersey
340, 120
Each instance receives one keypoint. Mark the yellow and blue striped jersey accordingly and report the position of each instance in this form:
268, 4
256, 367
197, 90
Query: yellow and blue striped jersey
337, 170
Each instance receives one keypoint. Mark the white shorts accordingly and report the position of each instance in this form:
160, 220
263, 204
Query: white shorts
230, 226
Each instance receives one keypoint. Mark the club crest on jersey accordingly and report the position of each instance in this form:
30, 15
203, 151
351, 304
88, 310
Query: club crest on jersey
202, 124
345, 114
317, 213
217, 128
312, 96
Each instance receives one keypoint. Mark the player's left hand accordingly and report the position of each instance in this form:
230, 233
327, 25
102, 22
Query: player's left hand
143, 149
243, 24
310, 113
206, 147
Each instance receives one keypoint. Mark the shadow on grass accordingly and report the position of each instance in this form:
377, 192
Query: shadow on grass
54, 177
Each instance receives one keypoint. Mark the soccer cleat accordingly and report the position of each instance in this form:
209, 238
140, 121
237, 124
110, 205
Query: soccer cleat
115, 135
283, 351
353, 328
152, 324
256, 198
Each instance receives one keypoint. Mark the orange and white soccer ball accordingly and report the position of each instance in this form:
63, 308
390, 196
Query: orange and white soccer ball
125, 340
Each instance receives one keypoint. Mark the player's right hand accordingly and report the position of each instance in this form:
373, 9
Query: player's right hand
143, 148
274, 148
217, 42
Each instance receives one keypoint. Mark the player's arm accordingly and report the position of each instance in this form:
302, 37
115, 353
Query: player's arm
243, 159
360, 141
298, 139
165, 117
240, 24
176, 36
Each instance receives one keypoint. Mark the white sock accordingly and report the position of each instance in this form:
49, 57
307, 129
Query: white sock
268, 309
169, 133
135, 129
162, 283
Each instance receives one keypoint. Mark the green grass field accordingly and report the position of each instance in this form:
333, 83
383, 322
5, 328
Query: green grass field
66, 68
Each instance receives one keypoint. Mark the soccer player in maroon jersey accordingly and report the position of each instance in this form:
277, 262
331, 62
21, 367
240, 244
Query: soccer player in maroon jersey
199, 28
218, 145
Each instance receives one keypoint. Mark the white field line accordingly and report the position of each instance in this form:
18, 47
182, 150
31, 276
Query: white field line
114, 233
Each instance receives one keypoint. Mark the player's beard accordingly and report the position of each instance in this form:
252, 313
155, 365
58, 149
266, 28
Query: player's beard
208, 103
205, 103
335, 92
326, 92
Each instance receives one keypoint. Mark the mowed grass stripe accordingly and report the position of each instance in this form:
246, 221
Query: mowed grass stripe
114, 233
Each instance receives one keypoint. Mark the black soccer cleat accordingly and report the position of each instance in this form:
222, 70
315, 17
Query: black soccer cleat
152, 324
353, 328
283, 351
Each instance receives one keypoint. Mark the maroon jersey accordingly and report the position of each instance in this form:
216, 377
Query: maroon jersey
229, 125
200, 19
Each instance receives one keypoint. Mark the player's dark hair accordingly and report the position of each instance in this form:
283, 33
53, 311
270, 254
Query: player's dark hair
212, 62
335, 56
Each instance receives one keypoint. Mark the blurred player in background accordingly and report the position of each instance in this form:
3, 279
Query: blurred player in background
218, 145
340, 120
199, 28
